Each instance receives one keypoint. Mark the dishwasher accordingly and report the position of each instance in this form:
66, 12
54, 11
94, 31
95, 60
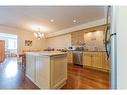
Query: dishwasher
77, 58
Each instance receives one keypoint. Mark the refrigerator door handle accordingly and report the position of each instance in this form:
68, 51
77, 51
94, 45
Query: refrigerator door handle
112, 35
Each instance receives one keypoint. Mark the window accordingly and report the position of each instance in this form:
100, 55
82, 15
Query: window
12, 44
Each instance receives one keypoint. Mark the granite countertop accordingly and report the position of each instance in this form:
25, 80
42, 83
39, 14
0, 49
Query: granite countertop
47, 53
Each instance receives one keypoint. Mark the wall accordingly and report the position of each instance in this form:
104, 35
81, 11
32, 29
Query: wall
22, 36
121, 30
62, 41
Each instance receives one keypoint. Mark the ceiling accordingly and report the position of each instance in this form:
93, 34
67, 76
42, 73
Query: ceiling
31, 18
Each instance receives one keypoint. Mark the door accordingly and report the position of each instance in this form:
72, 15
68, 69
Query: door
97, 60
87, 59
77, 57
2, 50
105, 62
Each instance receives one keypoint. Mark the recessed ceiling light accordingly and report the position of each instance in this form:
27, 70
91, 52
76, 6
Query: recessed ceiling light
74, 21
52, 20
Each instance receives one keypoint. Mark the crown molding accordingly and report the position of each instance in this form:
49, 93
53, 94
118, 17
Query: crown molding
76, 28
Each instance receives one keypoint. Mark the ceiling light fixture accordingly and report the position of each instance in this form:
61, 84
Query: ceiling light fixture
51, 20
74, 21
39, 35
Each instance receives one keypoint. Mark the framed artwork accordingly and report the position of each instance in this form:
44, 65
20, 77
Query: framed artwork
28, 43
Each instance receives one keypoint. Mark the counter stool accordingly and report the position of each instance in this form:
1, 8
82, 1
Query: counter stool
23, 63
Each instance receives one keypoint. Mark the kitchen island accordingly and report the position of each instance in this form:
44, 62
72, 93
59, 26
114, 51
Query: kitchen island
48, 70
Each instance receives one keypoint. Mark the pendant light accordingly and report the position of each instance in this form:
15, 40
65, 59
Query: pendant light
39, 35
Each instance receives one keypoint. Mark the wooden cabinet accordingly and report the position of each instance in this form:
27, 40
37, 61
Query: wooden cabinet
87, 59
96, 60
105, 62
2, 50
69, 57
77, 37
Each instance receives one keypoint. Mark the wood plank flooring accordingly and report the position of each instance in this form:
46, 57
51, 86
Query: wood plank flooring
11, 77
79, 78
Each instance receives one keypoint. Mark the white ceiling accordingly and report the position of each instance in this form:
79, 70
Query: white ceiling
29, 17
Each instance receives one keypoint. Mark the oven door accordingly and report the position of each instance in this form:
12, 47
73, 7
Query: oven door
77, 58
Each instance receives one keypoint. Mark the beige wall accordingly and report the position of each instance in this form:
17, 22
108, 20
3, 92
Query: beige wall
22, 36
62, 41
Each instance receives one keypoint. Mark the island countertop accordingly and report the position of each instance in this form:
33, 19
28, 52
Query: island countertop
47, 53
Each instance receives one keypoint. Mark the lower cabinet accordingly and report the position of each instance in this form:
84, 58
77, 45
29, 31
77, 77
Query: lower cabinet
96, 60
69, 57
106, 63
87, 56
47, 72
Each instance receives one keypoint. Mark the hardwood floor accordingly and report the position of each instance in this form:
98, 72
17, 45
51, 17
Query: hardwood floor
11, 77
79, 78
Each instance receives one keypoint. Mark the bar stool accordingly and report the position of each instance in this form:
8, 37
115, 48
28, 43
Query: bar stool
23, 63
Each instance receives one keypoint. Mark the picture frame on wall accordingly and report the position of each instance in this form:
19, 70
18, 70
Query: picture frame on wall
28, 43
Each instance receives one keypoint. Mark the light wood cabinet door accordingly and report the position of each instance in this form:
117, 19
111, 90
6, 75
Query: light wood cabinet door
96, 60
69, 57
74, 37
77, 37
30, 67
105, 62
87, 61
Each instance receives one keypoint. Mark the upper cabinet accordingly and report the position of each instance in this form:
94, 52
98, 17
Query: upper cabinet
77, 37
92, 38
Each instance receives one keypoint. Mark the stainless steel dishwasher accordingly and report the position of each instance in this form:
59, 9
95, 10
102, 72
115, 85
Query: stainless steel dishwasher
77, 58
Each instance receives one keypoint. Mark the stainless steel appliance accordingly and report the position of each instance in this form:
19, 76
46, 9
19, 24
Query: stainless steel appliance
77, 58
